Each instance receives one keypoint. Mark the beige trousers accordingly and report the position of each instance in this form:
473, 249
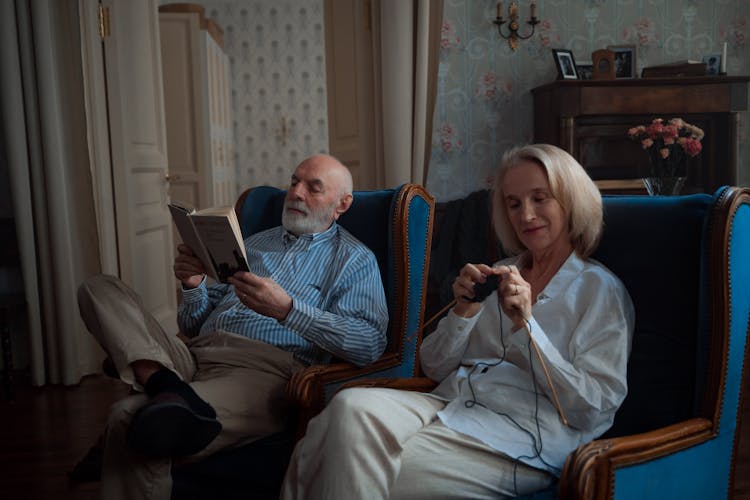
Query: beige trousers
244, 380
383, 443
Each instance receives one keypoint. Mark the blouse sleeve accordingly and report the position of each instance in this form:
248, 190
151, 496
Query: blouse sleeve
442, 350
591, 381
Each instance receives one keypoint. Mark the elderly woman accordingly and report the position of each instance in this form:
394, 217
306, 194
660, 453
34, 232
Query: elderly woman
525, 376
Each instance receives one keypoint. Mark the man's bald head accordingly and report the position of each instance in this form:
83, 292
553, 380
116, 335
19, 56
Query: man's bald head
330, 168
320, 191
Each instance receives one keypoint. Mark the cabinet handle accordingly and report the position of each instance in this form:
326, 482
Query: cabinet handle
170, 178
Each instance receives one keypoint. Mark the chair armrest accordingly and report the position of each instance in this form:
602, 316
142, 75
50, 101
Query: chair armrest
307, 388
420, 384
589, 470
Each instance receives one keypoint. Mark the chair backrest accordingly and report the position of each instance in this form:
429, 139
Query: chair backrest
396, 224
658, 247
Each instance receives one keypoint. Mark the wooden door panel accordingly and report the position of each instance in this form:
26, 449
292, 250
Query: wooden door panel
139, 156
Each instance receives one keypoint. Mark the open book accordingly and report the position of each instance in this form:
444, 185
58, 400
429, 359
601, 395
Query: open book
215, 237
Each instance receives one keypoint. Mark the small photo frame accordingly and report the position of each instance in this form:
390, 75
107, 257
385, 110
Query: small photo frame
603, 62
585, 70
566, 64
624, 60
713, 63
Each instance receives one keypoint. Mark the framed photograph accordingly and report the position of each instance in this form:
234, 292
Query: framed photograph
603, 62
713, 64
585, 70
624, 60
566, 65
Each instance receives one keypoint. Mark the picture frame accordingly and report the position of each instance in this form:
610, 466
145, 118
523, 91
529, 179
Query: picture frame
603, 62
585, 70
625, 60
566, 64
713, 63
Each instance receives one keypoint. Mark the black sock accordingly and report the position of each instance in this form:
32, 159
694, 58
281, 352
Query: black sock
166, 380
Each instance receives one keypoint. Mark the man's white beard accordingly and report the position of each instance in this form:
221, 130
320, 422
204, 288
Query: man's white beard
315, 220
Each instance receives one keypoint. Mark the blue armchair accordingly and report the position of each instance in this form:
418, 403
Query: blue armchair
396, 224
676, 434
685, 261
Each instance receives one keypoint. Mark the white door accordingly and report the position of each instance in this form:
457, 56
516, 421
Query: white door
351, 46
134, 95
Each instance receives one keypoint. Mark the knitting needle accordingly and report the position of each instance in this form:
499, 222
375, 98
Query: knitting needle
556, 401
555, 397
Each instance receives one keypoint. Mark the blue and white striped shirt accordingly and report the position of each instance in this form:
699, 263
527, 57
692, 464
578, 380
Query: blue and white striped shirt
338, 303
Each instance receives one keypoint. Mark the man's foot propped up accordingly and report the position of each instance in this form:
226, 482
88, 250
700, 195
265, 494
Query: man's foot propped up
175, 422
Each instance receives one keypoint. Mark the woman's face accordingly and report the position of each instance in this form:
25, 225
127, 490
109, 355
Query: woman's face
536, 216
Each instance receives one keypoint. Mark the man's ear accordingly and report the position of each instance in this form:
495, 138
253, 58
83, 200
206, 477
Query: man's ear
344, 203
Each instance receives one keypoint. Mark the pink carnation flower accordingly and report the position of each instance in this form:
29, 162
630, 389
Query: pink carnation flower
668, 144
692, 146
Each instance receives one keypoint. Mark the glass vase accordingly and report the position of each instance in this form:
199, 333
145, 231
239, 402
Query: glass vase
665, 186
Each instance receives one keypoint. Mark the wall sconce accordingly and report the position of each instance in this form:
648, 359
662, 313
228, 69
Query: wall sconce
512, 36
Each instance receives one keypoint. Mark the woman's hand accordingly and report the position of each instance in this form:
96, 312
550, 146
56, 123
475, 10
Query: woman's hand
463, 288
187, 267
514, 295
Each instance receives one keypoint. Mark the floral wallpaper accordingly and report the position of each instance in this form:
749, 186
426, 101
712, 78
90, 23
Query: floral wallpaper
484, 104
276, 51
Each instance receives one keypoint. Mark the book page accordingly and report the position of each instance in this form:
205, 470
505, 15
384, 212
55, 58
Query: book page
223, 241
183, 221
234, 223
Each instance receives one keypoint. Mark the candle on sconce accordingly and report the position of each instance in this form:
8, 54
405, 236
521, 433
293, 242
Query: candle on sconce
515, 30
723, 66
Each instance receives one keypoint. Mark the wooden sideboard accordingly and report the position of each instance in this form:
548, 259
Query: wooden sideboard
590, 119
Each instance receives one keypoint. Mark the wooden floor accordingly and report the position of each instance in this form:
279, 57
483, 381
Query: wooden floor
44, 432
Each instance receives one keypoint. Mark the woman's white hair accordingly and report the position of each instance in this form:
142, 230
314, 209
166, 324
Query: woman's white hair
571, 186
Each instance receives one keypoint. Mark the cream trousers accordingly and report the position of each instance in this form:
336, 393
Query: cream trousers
384, 443
244, 380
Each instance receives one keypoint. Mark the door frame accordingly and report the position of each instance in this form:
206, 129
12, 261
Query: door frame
97, 118
129, 171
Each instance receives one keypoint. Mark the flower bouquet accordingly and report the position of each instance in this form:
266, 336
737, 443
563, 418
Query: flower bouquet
668, 146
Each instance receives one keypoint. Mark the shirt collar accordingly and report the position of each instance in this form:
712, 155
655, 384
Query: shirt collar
571, 268
310, 238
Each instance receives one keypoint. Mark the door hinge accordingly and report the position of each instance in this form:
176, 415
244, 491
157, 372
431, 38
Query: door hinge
103, 21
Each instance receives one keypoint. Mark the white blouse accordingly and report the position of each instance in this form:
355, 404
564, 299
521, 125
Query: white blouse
495, 385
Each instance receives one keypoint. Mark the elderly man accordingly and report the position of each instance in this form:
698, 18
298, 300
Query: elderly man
313, 291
